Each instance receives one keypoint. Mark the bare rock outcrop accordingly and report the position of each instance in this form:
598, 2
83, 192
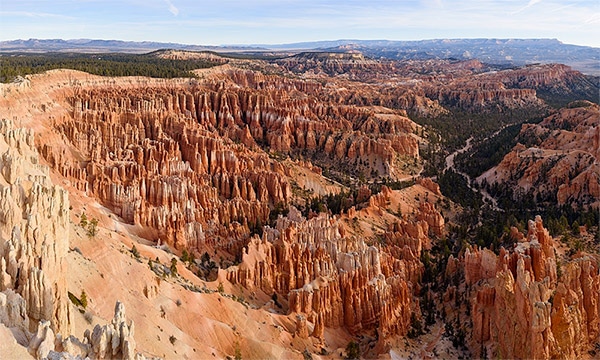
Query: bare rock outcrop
34, 222
557, 161
114, 340
335, 279
550, 316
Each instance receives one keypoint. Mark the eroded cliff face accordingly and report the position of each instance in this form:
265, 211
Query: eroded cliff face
556, 161
425, 87
522, 305
198, 164
34, 222
34, 241
183, 161
333, 278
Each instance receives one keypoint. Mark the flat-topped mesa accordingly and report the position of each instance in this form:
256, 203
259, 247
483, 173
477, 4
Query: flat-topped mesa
332, 278
34, 235
352, 65
543, 76
550, 316
511, 88
480, 99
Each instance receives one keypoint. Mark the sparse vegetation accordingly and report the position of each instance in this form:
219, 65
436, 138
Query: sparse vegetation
307, 355
83, 299
416, 327
173, 267
90, 226
238, 351
83, 221
135, 252
77, 301
352, 350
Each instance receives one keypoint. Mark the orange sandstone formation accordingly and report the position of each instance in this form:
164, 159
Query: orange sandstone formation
559, 163
522, 308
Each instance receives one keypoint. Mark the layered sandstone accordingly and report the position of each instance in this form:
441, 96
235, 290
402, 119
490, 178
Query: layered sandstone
426, 86
332, 278
353, 64
34, 222
184, 161
556, 161
549, 315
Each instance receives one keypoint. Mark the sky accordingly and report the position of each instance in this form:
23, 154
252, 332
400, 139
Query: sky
229, 22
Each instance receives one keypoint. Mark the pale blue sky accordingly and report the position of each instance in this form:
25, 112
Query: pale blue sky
284, 21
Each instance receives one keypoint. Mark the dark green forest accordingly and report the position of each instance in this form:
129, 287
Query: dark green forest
13, 65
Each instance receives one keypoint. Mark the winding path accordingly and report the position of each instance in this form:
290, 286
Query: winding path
451, 165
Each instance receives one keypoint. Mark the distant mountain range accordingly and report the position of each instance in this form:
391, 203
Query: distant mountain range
103, 46
497, 51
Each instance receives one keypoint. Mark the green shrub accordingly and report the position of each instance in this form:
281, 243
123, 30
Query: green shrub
353, 350
83, 299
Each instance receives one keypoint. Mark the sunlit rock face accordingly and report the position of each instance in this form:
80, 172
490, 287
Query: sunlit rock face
550, 316
556, 161
34, 236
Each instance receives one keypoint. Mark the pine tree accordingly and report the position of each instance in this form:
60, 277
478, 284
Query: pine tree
83, 299
83, 222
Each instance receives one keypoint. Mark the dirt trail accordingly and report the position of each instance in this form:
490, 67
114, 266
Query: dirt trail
451, 165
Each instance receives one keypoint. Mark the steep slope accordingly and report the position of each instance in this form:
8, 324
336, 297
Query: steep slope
551, 305
206, 217
176, 164
556, 161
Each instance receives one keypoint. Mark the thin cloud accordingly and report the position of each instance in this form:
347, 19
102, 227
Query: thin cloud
595, 18
34, 14
172, 9
529, 4
533, 2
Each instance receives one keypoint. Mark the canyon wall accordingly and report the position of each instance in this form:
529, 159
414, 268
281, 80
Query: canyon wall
184, 161
524, 303
34, 235
556, 161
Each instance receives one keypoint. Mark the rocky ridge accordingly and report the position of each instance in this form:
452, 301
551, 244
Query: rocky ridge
184, 162
557, 161
551, 309
34, 242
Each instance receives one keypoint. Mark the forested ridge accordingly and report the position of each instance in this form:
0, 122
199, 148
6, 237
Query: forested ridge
14, 65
